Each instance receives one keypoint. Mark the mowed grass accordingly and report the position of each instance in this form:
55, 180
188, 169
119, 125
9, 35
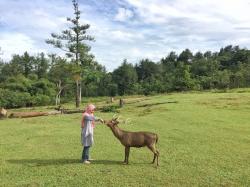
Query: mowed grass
204, 140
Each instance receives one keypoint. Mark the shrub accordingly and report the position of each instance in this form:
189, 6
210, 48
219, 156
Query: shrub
39, 100
111, 108
12, 99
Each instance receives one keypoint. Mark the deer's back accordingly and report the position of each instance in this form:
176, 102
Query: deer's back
138, 139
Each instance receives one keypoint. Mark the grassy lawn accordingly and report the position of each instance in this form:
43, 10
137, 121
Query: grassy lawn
204, 140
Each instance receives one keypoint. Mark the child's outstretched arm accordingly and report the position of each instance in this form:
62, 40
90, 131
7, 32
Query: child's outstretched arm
99, 119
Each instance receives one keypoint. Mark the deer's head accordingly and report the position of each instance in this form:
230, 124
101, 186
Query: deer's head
112, 123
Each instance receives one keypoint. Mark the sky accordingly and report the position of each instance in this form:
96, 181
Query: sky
126, 29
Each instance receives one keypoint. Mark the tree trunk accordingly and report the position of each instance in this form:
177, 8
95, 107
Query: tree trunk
111, 99
32, 114
80, 92
77, 94
58, 99
58, 96
78, 87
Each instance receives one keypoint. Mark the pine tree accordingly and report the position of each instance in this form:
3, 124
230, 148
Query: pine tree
71, 41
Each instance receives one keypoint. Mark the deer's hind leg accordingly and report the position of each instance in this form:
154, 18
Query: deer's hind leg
157, 157
156, 153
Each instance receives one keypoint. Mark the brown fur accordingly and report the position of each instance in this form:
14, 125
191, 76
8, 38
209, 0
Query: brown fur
134, 139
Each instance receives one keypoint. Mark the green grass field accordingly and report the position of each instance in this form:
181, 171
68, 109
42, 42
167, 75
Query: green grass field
204, 140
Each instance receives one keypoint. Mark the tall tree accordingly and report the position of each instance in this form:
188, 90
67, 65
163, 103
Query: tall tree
72, 42
186, 56
147, 69
19, 65
183, 80
41, 66
125, 77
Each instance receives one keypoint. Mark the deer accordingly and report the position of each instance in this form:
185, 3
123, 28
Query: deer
134, 139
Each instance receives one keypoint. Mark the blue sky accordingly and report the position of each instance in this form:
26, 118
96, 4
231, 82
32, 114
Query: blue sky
131, 29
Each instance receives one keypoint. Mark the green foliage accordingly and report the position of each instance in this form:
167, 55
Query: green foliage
185, 56
41, 66
125, 76
147, 70
112, 89
183, 80
41, 100
44, 87
111, 108
17, 83
14, 99
153, 86
19, 91
223, 79
45, 78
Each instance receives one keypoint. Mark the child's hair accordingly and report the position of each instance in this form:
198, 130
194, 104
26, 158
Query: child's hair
90, 107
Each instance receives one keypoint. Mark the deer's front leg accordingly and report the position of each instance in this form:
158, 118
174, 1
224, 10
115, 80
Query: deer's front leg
125, 157
127, 149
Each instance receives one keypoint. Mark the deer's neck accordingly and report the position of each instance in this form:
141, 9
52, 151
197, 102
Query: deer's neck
117, 132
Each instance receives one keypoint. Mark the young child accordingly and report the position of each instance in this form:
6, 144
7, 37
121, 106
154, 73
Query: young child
87, 131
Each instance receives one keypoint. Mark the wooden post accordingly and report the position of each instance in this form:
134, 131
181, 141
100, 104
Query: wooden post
121, 102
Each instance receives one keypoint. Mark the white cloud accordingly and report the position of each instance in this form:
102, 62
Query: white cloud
160, 11
39, 19
132, 29
125, 36
123, 14
17, 43
163, 26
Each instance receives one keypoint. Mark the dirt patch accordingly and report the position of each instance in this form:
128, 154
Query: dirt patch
228, 98
134, 100
160, 103
149, 110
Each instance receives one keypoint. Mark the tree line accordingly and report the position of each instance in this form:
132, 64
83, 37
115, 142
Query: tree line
28, 80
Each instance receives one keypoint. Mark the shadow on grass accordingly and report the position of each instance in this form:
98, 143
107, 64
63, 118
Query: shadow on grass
49, 162
44, 162
115, 162
106, 162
